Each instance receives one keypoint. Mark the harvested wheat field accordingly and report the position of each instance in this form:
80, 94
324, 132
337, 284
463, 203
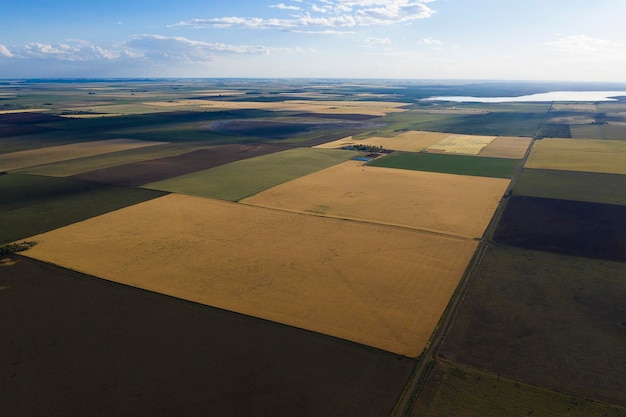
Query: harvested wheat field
445, 203
21, 159
587, 155
373, 108
380, 286
461, 144
506, 147
412, 141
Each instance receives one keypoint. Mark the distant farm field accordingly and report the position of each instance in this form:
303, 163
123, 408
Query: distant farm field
572, 185
577, 228
450, 164
412, 141
241, 179
14, 160
379, 286
444, 203
550, 320
33, 204
588, 155
607, 131
461, 144
143, 172
454, 390
506, 147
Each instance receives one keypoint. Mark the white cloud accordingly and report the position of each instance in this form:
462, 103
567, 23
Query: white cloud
582, 44
326, 32
431, 41
4, 51
283, 6
327, 13
70, 50
378, 41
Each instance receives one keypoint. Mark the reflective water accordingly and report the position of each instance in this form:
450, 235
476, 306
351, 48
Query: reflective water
551, 96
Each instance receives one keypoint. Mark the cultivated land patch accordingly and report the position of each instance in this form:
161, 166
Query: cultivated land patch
588, 155
377, 285
577, 228
450, 164
461, 144
550, 320
143, 172
373, 108
244, 178
444, 203
111, 159
68, 336
21, 159
606, 131
413, 141
506, 147
572, 185
32, 204
454, 390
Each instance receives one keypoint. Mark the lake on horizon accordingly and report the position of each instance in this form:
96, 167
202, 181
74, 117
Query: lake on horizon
551, 96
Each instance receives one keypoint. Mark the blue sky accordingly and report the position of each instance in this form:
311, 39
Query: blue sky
570, 40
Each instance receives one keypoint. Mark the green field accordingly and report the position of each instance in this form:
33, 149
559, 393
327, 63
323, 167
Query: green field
554, 321
30, 204
454, 391
572, 185
80, 165
242, 179
450, 164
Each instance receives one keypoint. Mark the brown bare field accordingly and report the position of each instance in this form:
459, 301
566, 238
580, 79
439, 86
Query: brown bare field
376, 285
22, 111
587, 155
461, 144
33, 157
506, 147
583, 107
572, 120
412, 141
444, 203
374, 108
89, 115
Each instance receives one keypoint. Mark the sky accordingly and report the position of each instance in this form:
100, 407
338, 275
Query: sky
551, 40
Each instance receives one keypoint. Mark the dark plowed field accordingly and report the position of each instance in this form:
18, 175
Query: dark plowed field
144, 172
577, 228
74, 345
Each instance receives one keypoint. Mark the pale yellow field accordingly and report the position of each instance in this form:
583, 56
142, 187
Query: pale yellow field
584, 107
444, 203
588, 155
506, 147
381, 286
89, 116
461, 144
22, 111
22, 159
572, 120
373, 108
412, 141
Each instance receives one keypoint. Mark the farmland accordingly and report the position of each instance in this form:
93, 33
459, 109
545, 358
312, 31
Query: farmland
450, 164
211, 246
443, 203
249, 260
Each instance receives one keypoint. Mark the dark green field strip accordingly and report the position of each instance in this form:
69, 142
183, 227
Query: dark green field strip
572, 185
73, 345
578, 228
450, 164
454, 390
551, 320
30, 205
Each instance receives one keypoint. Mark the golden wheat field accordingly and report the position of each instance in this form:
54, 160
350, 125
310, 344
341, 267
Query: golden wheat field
21, 159
445, 203
461, 144
587, 155
371, 108
412, 141
380, 286
506, 147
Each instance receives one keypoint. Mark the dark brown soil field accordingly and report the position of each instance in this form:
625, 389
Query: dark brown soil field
74, 345
550, 320
144, 172
578, 228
